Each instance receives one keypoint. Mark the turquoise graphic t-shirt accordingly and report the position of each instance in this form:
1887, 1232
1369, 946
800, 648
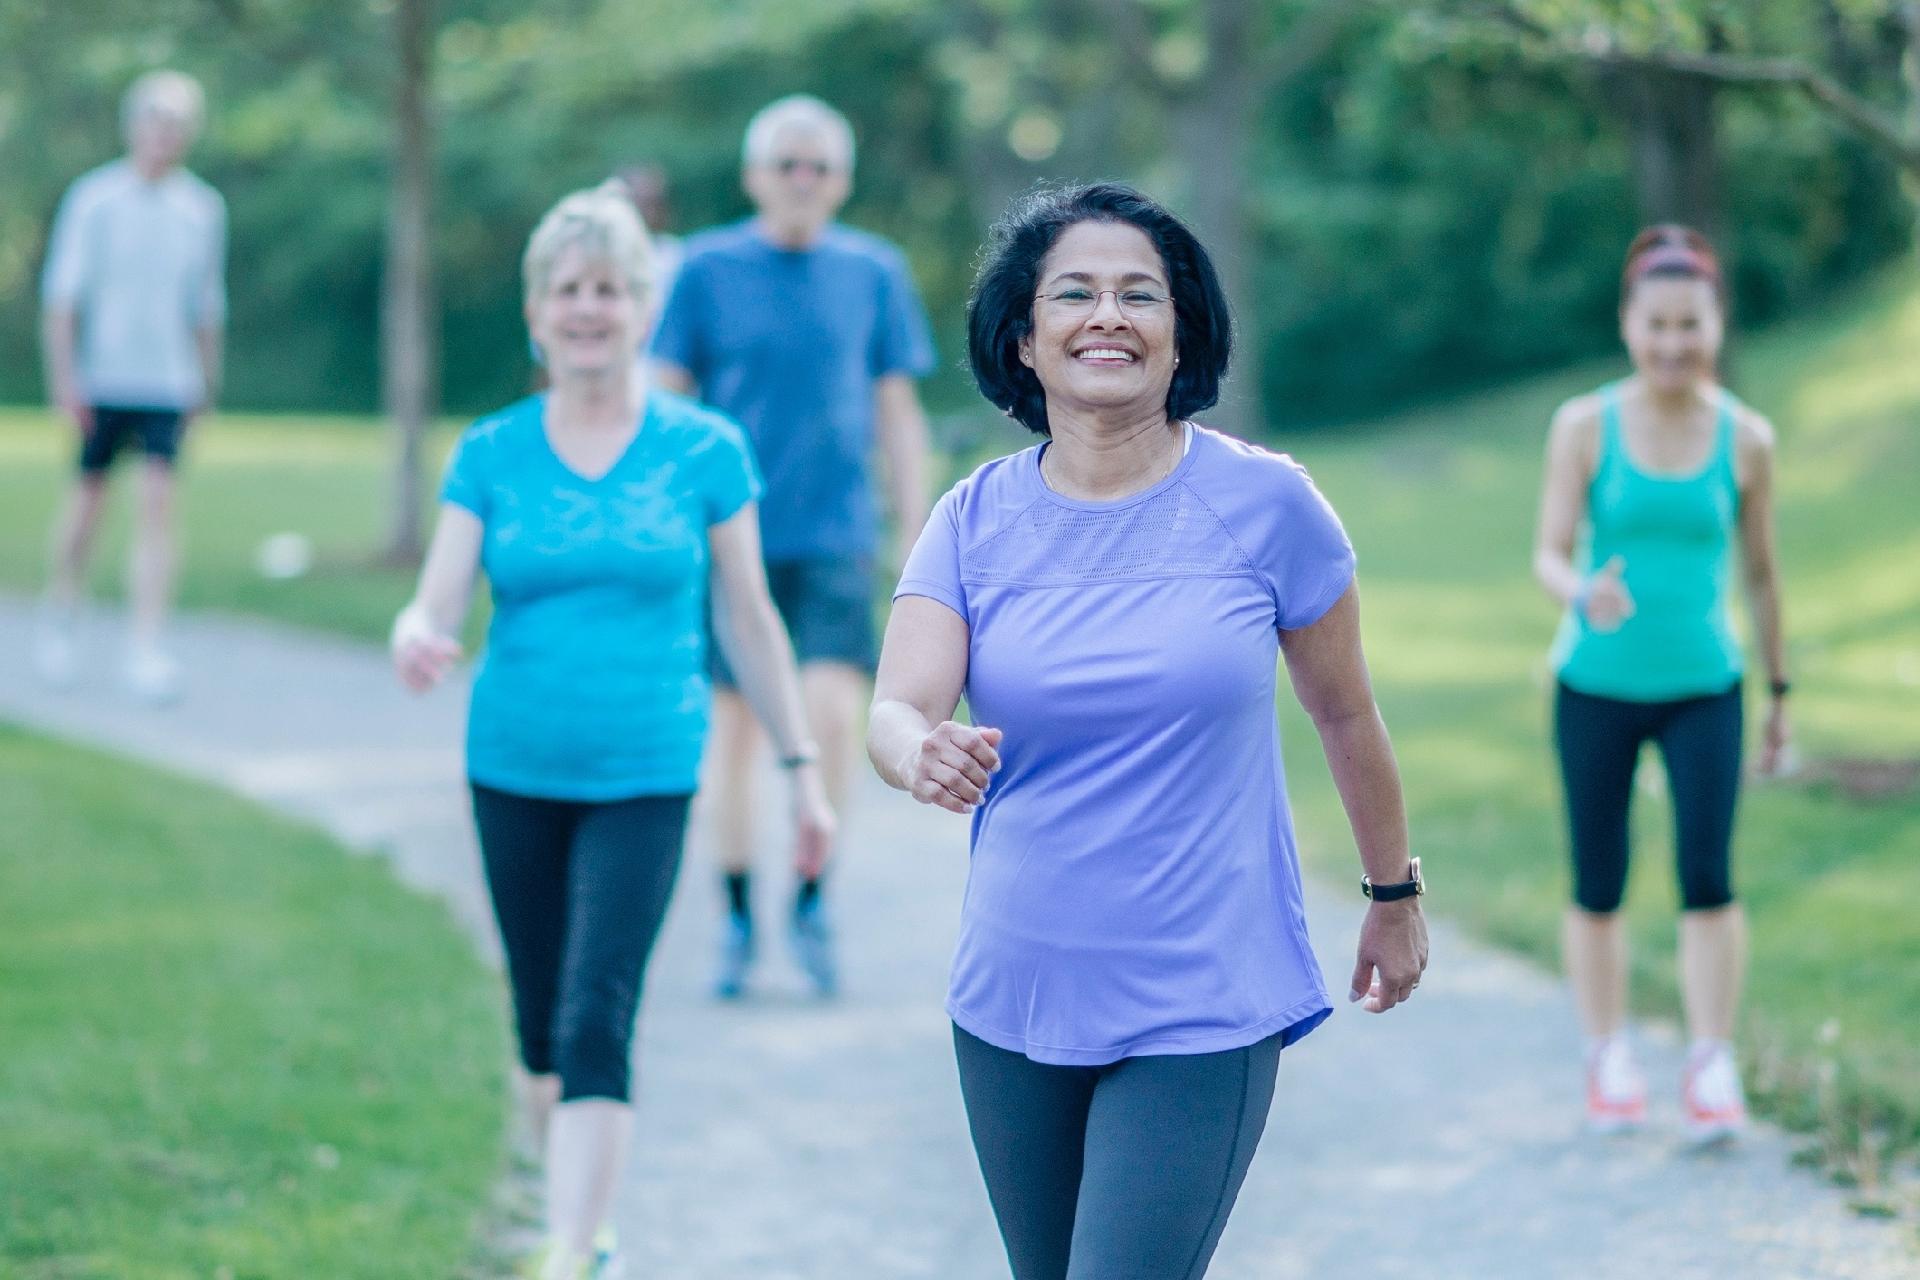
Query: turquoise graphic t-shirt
593, 684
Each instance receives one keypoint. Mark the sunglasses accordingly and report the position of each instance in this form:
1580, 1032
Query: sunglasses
787, 166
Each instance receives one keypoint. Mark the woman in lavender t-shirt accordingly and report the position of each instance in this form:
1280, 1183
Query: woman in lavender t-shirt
1133, 953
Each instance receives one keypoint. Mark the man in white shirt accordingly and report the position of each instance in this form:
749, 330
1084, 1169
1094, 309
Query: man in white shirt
133, 315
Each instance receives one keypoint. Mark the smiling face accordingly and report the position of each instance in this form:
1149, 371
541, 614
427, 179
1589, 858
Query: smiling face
1673, 328
1103, 333
586, 317
800, 183
159, 135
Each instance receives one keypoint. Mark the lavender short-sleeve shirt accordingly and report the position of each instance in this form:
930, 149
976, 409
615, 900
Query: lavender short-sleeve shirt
1134, 886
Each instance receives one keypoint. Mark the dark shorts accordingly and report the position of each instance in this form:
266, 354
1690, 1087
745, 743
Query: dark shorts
156, 430
828, 608
1599, 741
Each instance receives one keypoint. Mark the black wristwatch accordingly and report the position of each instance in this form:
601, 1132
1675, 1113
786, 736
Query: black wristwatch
1781, 688
1394, 892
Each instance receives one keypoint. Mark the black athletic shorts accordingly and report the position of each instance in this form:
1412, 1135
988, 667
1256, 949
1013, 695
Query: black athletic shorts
828, 608
157, 431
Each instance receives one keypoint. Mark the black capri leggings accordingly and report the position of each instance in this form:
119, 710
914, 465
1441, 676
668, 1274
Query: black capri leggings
1121, 1172
1599, 742
579, 890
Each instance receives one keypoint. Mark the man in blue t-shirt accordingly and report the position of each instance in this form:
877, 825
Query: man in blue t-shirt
810, 335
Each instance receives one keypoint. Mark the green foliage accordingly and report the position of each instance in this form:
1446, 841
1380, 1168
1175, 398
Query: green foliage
1431, 202
231, 1047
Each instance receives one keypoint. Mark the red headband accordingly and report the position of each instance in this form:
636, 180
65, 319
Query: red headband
1680, 259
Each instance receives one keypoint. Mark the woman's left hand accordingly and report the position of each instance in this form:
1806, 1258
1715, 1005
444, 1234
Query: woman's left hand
814, 823
1392, 955
1775, 737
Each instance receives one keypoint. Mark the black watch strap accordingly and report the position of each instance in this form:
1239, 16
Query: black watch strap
1408, 888
1781, 688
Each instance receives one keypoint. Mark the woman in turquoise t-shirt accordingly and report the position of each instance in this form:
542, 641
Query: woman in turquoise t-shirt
1664, 474
599, 511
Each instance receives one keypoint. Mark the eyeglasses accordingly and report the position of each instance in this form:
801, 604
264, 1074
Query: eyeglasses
787, 166
1078, 301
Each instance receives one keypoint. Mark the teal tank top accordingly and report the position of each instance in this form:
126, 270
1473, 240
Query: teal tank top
1675, 535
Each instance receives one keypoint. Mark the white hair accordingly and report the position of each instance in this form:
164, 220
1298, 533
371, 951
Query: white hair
601, 221
800, 113
173, 93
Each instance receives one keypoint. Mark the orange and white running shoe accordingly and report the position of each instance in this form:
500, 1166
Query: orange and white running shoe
1616, 1088
1712, 1105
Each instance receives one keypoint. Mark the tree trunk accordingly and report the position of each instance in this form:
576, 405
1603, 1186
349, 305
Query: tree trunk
407, 340
1210, 124
1675, 147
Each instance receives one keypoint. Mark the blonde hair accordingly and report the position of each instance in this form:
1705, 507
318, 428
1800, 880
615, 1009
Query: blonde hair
173, 92
602, 222
800, 113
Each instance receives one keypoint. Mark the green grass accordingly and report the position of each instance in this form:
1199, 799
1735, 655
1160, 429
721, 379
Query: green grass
245, 478
1440, 505
227, 1046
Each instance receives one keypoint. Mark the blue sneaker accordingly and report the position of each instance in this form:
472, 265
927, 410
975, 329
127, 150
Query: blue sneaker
736, 958
812, 939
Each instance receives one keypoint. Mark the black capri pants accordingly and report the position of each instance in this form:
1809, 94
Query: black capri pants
1121, 1172
579, 890
1599, 741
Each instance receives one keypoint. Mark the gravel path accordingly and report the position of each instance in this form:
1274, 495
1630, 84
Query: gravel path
788, 1140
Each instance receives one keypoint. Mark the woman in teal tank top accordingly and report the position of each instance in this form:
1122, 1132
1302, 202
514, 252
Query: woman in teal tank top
1653, 485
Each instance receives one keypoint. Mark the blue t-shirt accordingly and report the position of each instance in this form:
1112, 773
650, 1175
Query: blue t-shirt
1134, 887
594, 683
788, 343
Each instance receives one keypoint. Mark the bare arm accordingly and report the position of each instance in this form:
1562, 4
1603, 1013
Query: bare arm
1761, 572
1571, 443
904, 449
59, 335
674, 378
424, 639
912, 739
211, 340
1601, 597
751, 634
1328, 669
755, 643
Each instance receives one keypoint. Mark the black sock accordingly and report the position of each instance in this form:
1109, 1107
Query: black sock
738, 897
809, 893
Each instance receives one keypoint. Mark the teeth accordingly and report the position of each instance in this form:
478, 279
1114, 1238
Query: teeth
1105, 353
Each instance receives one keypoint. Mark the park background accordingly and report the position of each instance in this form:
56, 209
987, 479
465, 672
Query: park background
1420, 210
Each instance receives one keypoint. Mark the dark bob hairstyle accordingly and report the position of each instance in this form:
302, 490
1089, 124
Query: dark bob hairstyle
1000, 312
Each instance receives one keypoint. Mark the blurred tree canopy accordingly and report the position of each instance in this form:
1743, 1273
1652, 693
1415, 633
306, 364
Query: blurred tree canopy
1407, 198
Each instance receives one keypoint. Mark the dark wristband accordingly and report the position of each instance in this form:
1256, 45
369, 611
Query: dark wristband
806, 756
1781, 688
1412, 887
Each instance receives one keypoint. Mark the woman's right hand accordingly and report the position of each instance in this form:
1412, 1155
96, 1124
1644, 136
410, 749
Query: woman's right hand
422, 654
952, 766
1604, 600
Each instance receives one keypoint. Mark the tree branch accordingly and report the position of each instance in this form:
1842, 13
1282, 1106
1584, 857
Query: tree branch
1881, 127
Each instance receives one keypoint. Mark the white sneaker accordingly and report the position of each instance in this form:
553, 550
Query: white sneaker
153, 676
1616, 1088
1713, 1105
56, 657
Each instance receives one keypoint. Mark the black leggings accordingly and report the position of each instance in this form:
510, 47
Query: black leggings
1599, 741
1121, 1172
579, 890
